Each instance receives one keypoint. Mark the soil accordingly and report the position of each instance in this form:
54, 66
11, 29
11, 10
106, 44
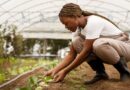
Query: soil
75, 79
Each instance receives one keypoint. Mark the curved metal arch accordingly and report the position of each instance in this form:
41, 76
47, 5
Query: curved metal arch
53, 6
109, 10
31, 23
39, 21
39, 4
49, 1
15, 14
47, 7
34, 23
38, 12
89, 6
28, 8
16, 6
4, 2
32, 17
127, 0
113, 5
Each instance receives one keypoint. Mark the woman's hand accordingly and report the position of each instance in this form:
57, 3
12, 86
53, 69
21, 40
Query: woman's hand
60, 76
57, 76
51, 72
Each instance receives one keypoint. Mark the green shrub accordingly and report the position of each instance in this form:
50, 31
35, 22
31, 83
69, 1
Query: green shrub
1, 46
18, 44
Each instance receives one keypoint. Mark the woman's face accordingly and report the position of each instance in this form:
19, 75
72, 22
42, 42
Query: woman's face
70, 23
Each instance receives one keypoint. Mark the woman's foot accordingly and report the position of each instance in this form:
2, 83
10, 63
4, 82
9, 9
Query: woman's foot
97, 78
122, 68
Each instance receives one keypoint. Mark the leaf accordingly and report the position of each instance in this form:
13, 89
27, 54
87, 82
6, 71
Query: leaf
33, 80
20, 70
2, 77
14, 72
26, 88
17, 88
47, 79
39, 88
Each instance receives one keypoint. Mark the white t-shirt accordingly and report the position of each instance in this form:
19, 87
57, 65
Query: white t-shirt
97, 26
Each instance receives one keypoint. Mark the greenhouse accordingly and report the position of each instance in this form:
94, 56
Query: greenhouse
38, 40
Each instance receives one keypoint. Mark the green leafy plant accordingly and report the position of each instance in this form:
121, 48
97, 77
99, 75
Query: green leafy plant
2, 77
32, 82
47, 79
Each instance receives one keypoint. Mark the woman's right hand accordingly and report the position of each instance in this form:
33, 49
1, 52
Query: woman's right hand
51, 72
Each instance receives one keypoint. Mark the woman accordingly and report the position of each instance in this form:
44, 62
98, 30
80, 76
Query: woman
95, 38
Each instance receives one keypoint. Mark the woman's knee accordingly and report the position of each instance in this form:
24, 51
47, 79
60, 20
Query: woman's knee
98, 44
105, 51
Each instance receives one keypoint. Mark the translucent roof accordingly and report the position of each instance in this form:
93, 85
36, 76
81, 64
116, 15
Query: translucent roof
43, 14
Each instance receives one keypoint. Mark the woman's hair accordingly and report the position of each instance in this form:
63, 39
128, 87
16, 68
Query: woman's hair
74, 10
70, 10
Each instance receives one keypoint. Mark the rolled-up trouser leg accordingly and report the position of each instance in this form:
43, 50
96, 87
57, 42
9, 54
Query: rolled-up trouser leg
110, 50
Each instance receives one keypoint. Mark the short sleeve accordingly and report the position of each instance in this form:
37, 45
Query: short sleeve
94, 28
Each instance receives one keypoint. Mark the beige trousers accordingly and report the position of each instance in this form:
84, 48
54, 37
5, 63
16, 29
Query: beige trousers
107, 49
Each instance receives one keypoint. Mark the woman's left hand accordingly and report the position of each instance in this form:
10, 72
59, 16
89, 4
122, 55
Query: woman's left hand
60, 76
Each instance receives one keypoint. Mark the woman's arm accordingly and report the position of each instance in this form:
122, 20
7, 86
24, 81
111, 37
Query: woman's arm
67, 60
87, 48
